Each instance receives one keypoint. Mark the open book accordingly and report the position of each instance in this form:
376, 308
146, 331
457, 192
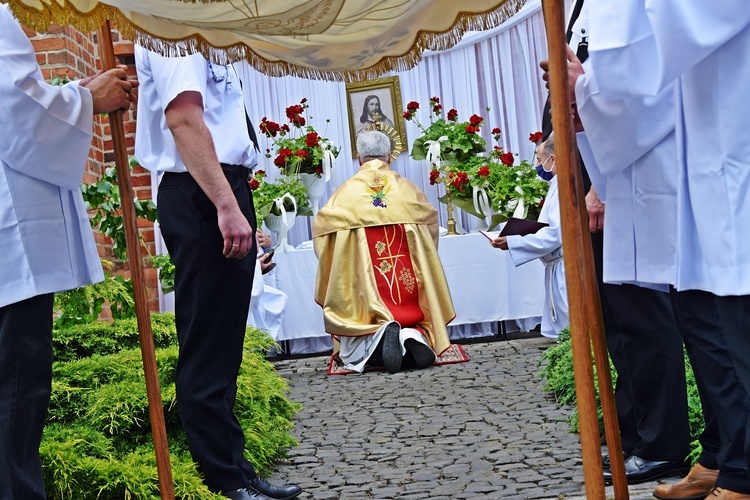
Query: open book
516, 226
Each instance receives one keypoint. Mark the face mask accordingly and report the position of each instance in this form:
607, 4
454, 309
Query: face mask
544, 175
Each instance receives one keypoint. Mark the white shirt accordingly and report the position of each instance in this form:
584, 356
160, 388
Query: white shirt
46, 242
639, 47
164, 78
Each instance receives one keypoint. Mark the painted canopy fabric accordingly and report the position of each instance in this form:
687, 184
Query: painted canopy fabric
345, 40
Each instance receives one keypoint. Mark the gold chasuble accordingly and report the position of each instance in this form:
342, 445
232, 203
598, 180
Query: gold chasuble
376, 242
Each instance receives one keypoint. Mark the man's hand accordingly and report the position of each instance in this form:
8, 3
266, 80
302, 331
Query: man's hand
237, 233
264, 241
110, 90
575, 70
595, 208
500, 242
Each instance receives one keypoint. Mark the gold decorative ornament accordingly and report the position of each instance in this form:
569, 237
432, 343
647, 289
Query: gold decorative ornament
397, 145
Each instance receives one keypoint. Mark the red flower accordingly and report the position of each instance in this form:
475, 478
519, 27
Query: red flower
412, 106
471, 129
496, 131
407, 115
459, 180
318, 170
475, 120
260, 173
535, 137
434, 175
311, 139
435, 100
285, 128
437, 108
483, 171
294, 111
253, 184
507, 159
453, 115
303, 101
302, 153
541, 203
299, 121
268, 127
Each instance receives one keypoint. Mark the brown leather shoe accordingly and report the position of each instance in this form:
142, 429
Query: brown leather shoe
725, 494
695, 486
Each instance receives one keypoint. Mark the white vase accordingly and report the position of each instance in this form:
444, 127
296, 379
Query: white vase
316, 188
275, 224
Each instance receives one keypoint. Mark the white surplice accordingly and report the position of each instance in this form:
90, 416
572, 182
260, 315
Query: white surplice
639, 47
46, 242
546, 245
629, 150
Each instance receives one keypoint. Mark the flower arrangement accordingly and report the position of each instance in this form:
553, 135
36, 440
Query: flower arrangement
268, 196
494, 184
300, 149
445, 139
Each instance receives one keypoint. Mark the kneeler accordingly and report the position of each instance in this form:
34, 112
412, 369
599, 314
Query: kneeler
394, 274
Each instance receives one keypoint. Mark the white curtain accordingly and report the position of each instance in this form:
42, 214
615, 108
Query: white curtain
498, 69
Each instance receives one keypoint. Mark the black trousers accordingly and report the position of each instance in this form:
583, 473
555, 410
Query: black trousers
646, 348
716, 332
212, 297
25, 385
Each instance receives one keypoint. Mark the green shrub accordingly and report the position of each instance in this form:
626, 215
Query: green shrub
97, 443
558, 372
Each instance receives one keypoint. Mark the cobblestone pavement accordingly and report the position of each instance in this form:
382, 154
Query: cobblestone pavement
480, 429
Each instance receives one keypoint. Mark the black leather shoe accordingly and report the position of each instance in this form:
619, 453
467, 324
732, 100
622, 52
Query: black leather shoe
266, 489
244, 494
422, 354
605, 460
392, 353
638, 470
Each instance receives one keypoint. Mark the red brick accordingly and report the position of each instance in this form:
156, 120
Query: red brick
48, 44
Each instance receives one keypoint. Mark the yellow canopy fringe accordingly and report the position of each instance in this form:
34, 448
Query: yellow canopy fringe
66, 14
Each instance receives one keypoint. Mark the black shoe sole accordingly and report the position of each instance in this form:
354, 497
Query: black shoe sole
680, 472
392, 354
422, 354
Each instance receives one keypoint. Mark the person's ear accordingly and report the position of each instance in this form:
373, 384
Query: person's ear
359, 158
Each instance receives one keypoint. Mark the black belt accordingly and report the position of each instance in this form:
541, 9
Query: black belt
243, 172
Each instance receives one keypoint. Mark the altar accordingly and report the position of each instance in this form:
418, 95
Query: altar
485, 286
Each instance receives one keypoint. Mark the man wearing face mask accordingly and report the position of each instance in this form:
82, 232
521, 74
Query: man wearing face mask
545, 245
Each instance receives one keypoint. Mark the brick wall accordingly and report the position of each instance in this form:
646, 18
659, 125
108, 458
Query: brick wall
65, 52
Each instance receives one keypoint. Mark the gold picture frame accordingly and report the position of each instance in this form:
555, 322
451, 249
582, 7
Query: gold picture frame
383, 98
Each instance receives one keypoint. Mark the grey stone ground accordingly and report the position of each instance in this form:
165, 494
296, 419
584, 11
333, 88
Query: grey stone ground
481, 429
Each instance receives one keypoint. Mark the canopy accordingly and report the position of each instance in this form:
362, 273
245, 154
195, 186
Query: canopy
347, 40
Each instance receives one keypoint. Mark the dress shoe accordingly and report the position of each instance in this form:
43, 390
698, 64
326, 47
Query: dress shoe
422, 354
638, 470
265, 489
605, 460
725, 494
695, 486
244, 494
392, 353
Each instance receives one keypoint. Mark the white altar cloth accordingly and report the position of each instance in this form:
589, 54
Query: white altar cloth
485, 286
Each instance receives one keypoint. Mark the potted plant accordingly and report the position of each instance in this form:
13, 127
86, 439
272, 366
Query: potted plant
300, 151
491, 185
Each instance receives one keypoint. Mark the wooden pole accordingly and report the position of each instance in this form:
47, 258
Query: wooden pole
156, 411
583, 296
